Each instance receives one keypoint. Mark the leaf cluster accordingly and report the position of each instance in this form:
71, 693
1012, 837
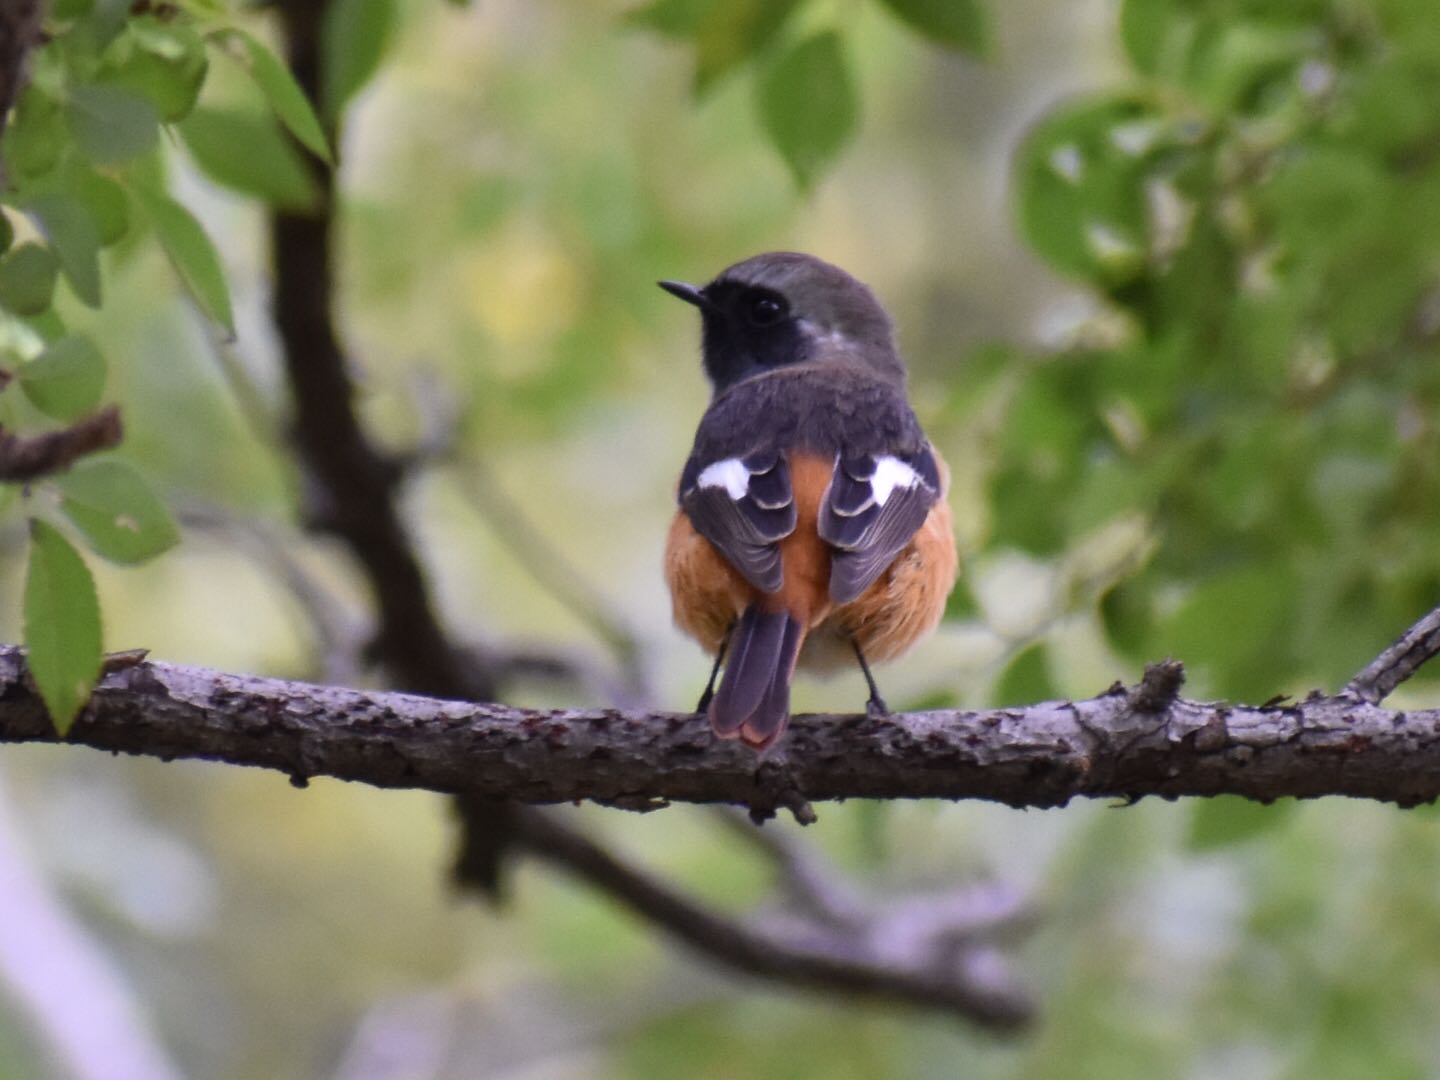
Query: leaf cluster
85, 176
1254, 208
805, 92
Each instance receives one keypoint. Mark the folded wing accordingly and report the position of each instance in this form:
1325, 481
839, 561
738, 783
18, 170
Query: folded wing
744, 506
874, 505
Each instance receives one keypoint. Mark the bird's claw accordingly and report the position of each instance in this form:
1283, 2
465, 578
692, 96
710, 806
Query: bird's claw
876, 709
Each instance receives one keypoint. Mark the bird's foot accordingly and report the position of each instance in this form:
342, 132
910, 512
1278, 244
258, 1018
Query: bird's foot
875, 708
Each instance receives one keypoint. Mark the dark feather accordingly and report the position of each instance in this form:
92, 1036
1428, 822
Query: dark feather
767, 722
866, 535
747, 529
849, 496
755, 648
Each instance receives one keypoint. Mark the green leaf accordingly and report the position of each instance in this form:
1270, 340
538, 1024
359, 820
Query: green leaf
1230, 68
1224, 820
961, 603
27, 279
955, 24
674, 18
111, 124
193, 255
1145, 28
66, 380
807, 105
7, 232
1027, 680
1081, 187
107, 204
283, 93
734, 31
120, 516
62, 625
75, 240
1127, 612
1234, 629
353, 39
249, 153
36, 134
164, 64
726, 33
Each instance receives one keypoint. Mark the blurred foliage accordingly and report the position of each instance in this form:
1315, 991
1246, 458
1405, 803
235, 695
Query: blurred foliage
1204, 425
1255, 207
81, 155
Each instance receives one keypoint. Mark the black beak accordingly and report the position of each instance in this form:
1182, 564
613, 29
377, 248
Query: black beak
689, 293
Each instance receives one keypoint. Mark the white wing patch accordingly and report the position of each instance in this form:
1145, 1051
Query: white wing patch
890, 473
731, 474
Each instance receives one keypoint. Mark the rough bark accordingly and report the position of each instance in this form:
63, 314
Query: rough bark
1122, 744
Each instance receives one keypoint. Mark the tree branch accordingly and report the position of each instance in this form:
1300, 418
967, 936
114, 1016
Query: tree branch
24, 458
864, 965
353, 487
1043, 755
353, 490
19, 33
553, 572
1397, 663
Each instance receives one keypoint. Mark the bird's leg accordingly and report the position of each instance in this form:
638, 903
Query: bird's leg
709, 693
875, 708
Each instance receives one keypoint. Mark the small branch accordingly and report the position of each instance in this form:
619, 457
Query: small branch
1043, 755
803, 871
24, 458
352, 487
1159, 687
552, 571
1397, 663
19, 33
831, 962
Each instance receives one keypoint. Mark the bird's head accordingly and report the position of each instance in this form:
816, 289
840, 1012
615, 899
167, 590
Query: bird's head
785, 308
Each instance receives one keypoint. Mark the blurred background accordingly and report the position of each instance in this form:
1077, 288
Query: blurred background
1191, 411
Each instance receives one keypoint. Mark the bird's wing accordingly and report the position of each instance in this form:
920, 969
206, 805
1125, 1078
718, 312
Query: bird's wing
744, 506
873, 507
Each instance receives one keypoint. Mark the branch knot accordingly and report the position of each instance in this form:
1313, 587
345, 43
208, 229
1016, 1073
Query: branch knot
1159, 687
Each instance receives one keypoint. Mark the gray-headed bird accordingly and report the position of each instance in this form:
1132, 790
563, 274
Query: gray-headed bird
813, 526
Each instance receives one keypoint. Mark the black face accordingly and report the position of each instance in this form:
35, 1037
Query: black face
748, 329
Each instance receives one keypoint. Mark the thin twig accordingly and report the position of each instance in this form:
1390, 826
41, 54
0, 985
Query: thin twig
834, 963
19, 33
511, 524
340, 631
24, 458
803, 870
553, 572
1397, 663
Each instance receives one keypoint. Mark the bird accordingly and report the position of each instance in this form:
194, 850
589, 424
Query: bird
812, 525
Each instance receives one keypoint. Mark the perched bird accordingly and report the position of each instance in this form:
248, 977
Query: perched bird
813, 525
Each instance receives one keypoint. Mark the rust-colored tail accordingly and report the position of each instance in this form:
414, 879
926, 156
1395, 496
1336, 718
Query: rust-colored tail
753, 702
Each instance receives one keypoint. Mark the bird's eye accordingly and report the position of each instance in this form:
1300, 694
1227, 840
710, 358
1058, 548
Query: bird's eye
765, 309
